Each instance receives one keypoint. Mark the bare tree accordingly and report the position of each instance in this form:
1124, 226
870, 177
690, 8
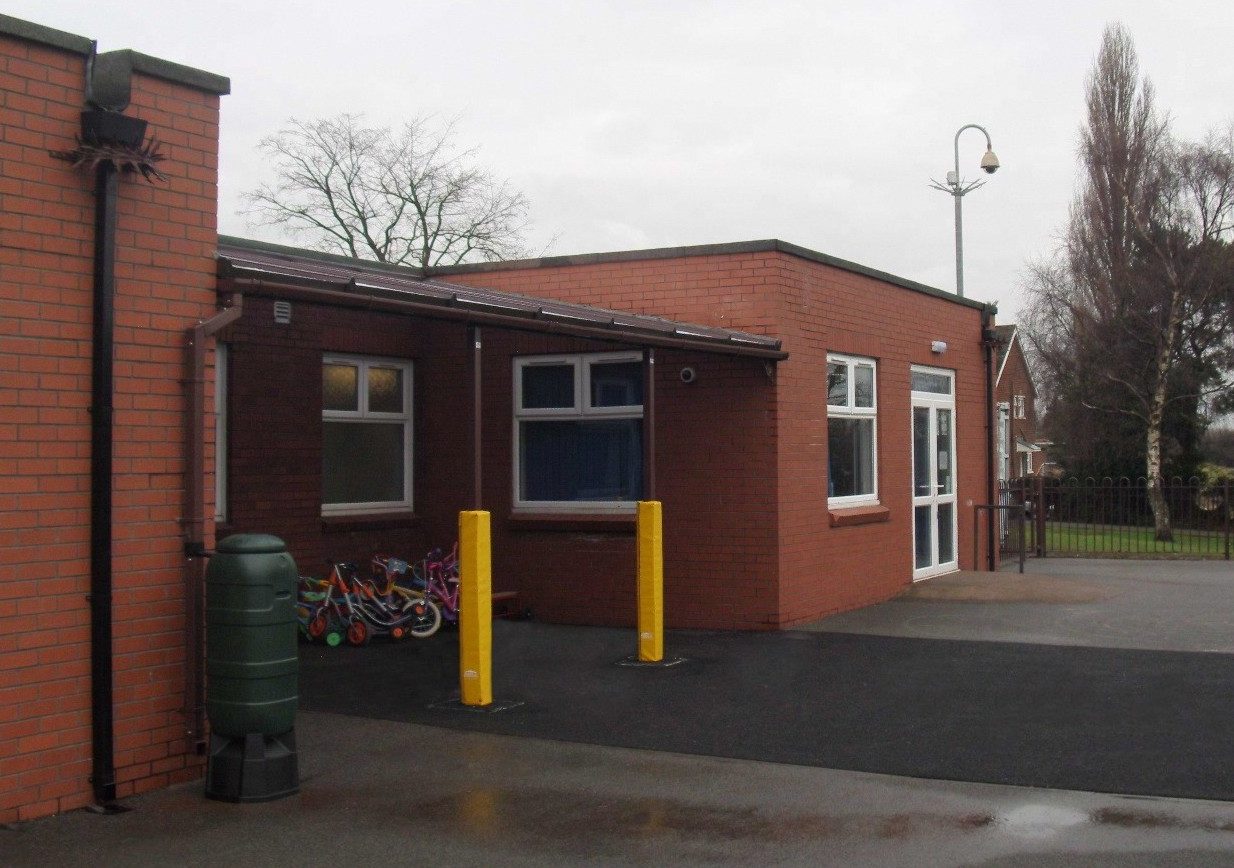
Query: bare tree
1129, 318
404, 197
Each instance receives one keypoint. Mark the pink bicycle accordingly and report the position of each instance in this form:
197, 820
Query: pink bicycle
437, 576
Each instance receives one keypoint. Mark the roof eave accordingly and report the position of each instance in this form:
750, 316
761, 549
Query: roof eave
357, 293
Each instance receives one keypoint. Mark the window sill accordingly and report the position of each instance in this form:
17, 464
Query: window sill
372, 521
851, 516
621, 522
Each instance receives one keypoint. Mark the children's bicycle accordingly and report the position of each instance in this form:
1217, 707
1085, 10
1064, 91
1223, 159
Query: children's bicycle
388, 572
437, 576
344, 605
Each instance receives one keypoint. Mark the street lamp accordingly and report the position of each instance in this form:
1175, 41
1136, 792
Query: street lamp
957, 187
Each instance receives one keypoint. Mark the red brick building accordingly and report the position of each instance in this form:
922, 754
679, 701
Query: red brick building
1019, 448
164, 283
817, 431
814, 470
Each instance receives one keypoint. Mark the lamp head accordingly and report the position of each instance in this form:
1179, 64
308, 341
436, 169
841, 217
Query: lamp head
989, 162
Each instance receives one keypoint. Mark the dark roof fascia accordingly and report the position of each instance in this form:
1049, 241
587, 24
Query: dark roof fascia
737, 247
357, 293
152, 66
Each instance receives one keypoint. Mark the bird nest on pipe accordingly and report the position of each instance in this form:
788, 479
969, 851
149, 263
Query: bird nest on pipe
125, 158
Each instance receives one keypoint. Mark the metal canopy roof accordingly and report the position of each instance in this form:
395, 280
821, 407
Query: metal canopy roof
256, 268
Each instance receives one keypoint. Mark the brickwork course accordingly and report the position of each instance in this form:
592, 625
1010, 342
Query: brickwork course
166, 239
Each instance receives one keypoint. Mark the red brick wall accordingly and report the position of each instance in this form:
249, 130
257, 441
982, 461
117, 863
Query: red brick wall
829, 569
814, 308
165, 283
563, 572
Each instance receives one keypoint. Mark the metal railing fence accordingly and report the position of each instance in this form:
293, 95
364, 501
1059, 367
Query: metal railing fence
1113, 518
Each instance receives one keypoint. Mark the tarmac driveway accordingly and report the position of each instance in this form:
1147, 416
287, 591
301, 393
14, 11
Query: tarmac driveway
1105, 719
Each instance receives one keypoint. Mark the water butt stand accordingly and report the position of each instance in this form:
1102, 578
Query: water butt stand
252, 670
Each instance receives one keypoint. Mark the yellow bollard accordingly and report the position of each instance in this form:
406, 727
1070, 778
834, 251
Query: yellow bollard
650, 581
475, 609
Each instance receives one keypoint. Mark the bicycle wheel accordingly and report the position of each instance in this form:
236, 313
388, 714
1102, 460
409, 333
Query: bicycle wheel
317, 626
425, 624
358, 632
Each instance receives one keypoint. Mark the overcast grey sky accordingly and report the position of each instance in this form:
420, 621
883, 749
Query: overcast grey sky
647, 124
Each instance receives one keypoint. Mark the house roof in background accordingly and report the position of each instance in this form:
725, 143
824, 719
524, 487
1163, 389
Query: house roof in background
259, 268
1004, 337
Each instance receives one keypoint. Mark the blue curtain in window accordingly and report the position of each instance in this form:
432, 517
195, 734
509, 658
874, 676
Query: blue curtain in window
598, 459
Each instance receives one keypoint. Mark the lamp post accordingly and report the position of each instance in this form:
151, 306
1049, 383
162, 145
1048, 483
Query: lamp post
957, 187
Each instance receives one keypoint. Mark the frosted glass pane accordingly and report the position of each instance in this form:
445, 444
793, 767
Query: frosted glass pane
362, 462
385, 390
340, 387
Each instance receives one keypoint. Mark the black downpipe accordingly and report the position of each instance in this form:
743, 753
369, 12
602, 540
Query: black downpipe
987, 342
101, 431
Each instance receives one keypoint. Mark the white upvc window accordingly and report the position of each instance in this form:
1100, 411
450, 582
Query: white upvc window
366, 422
852, 431
1020, 407
578, 432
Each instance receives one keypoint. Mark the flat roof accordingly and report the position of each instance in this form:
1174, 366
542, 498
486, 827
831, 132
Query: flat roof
256, 267
767, 245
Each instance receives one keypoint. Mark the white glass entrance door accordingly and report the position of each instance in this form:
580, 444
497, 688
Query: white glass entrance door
934, 472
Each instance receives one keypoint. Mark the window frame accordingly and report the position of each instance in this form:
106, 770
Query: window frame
852, 411
1020, 403
363, 415
581, 409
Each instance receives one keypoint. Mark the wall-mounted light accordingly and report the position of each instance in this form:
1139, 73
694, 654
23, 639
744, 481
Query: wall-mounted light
938, 347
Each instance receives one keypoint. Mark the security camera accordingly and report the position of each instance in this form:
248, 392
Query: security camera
989, 163
687, 375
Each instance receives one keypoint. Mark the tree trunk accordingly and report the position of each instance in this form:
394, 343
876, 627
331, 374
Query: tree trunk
1156, 414
1156, 496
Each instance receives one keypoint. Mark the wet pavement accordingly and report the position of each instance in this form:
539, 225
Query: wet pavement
1089, 676
380, 792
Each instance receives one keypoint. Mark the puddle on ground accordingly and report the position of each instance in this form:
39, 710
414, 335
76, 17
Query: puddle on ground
1128, 819
572, 817
1039, 821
